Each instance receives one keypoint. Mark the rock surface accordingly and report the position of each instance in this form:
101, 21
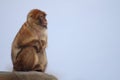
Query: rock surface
26, 76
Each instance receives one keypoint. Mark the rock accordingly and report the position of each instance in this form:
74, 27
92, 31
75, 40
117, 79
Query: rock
32, 75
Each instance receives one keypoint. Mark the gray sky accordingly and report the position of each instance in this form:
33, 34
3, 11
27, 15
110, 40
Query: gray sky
84, 36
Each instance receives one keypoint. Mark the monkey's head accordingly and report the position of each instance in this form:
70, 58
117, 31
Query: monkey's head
37, 17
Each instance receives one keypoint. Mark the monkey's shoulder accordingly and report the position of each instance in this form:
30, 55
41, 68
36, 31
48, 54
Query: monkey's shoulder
25, 30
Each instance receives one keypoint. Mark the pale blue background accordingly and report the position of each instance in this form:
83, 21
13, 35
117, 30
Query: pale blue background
84, 36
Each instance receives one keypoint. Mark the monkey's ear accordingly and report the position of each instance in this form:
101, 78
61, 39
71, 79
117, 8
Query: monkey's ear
30, 15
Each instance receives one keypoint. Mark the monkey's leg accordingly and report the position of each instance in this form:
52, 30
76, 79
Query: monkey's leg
26, 59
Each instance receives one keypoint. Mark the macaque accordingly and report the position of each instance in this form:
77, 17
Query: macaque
29, 46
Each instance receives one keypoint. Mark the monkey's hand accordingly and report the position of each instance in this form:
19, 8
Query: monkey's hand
37, 46
43, 44
33, 43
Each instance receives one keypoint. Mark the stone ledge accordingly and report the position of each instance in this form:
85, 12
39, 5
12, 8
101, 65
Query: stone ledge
32, 75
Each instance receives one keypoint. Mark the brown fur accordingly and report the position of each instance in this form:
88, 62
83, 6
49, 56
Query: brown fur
30, 43
28, 57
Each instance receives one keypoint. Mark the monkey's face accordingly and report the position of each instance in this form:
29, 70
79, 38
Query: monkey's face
37, 17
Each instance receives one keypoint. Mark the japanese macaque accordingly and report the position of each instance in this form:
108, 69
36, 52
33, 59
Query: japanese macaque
29, 46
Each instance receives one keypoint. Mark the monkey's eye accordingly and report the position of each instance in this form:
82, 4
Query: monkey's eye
41, 16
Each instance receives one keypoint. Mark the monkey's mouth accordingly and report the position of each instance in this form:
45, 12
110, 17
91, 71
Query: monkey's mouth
44, 24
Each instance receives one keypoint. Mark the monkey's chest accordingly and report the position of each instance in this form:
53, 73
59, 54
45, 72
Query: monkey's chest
41, 34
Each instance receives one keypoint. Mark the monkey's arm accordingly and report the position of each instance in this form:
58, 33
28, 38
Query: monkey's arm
43, 43
24, 37
44, 40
